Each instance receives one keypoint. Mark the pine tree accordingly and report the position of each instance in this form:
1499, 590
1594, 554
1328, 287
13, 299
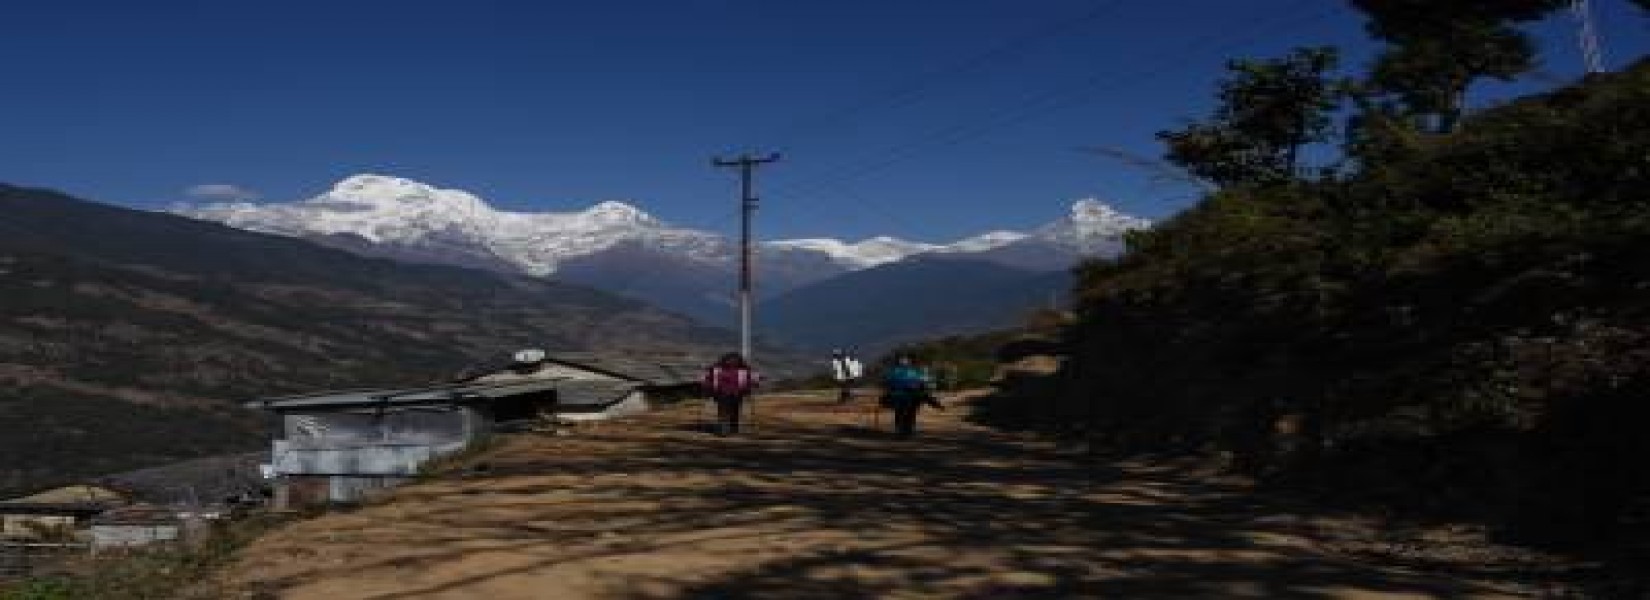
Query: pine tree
1438, 48
1269, 110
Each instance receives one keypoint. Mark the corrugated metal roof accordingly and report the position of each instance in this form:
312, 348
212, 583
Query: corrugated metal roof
592, 393
137, 514
470, 391
367, 391
73, 494
568, 391
643, 370
322, 399
452, 393
69, 509
667, 370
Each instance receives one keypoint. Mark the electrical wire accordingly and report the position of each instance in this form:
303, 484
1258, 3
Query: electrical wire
916, 89
1039, 105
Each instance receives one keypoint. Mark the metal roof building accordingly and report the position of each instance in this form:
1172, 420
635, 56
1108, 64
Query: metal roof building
340, 446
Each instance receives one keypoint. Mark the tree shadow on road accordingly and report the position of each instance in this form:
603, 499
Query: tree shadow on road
808, 510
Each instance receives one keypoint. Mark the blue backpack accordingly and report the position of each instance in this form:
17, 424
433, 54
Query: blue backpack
906, 379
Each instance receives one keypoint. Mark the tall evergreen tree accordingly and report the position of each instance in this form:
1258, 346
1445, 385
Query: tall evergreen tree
1269, 110
1438, 48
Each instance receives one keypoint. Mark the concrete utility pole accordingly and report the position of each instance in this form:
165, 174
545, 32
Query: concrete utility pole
1591, 51
747, 208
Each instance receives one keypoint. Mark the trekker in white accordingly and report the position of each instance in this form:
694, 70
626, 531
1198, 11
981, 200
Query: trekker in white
847, 370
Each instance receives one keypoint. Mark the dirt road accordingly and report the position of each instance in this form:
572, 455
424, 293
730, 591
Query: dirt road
815, 504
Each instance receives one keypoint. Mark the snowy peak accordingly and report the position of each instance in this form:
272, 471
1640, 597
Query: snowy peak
984, 241
1091, 209
1097, 215
395, 212
402, 217
1091, 228
377, 208
368, 186
887, 249
614, 212
858, 255
618, 247
393, 193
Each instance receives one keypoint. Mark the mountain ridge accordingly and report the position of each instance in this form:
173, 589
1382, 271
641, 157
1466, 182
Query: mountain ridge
618, 247
387, 210
875, 309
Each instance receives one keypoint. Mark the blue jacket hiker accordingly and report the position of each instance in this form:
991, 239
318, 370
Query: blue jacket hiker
906, 387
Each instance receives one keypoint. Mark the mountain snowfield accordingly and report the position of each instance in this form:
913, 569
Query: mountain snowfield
395, 212
859, 255
401, 217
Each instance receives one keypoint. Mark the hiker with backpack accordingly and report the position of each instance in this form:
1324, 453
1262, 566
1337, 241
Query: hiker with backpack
906, 388
729, 382
846, 370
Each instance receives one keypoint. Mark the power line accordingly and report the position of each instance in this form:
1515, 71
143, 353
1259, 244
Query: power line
1037, 106
920, 87
1040, 105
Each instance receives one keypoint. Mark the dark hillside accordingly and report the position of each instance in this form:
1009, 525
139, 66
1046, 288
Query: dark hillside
1460, 327
876, 308
124, 335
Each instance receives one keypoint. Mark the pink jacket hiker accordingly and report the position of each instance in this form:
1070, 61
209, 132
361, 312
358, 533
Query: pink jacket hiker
729, 381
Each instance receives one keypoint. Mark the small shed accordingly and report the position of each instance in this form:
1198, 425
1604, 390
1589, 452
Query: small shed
137, 525
341, 446
56, 511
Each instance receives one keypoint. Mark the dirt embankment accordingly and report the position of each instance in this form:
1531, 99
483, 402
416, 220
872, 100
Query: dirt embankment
815, 503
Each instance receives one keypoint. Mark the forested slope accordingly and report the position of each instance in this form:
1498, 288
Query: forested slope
1454, 319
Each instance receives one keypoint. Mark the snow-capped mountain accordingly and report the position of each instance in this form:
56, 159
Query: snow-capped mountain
398, 216
616, 246
858, 255
1092, 228
983, 242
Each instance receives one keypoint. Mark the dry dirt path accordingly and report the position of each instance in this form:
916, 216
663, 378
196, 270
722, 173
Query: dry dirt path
814, 504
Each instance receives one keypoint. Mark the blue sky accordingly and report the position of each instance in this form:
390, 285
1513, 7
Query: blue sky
924, 119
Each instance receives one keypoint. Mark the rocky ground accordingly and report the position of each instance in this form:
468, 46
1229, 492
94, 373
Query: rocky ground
819, 501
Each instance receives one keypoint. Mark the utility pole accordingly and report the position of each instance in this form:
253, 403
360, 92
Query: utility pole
747, 208
1591, 52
